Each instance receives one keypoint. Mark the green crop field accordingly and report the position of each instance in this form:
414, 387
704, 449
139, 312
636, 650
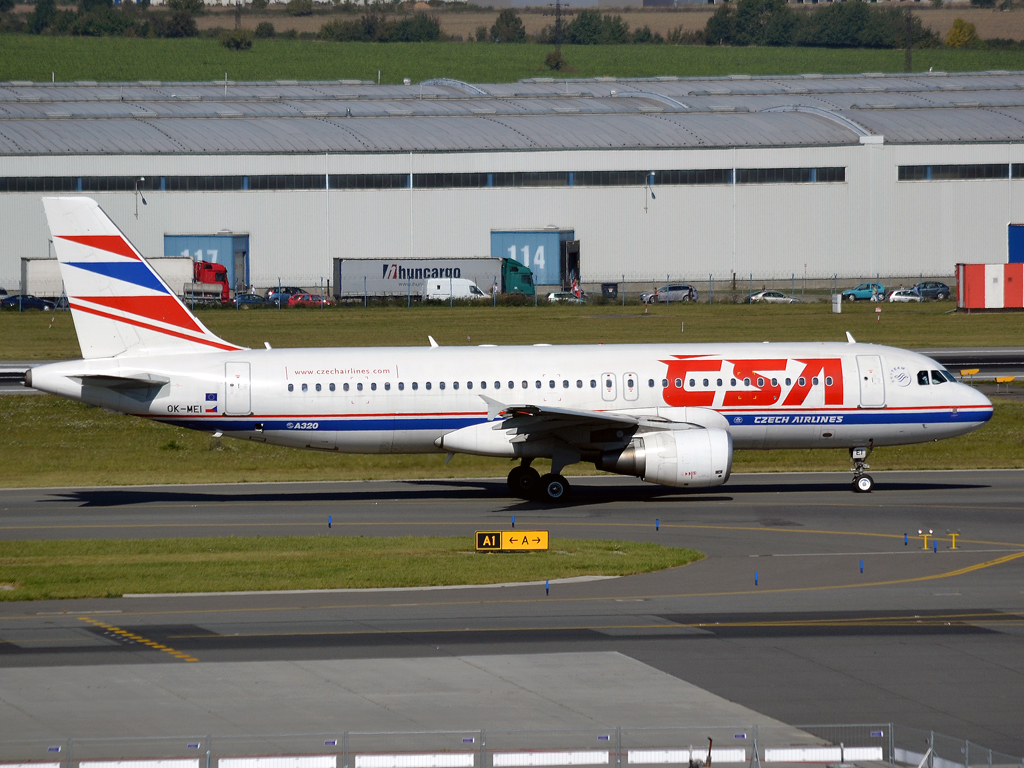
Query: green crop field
38, 58
47, 441
45, 570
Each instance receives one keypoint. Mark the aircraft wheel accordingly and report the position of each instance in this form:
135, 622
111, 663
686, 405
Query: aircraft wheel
863, 484
523, 482
554, 488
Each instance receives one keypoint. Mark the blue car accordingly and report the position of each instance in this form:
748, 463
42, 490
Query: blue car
24, 301
864, 292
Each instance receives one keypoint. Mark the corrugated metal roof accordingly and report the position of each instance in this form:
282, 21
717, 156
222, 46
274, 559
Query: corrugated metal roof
537, 114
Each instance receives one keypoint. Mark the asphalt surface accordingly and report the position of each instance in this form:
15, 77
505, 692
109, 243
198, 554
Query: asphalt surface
923, 638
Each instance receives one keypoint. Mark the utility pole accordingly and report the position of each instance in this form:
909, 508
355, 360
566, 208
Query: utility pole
558, 25
907, 64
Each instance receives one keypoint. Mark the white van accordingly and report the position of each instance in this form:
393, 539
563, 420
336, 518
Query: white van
445, 288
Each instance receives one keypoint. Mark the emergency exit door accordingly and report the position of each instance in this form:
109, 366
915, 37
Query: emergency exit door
872, 384
237, 400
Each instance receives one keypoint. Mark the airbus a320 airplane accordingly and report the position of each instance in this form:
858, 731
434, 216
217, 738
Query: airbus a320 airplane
669, 414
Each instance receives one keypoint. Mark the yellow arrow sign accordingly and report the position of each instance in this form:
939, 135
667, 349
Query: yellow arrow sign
510, 541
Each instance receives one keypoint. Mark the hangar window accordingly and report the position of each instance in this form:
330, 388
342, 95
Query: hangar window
367, 181
956, 172
789, 175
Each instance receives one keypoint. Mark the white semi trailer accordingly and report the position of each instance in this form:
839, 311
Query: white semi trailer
41, 277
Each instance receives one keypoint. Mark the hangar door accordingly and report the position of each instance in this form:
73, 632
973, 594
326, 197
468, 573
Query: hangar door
230, 250
552, 255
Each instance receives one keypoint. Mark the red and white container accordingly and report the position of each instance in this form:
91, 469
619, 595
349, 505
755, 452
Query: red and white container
990, 286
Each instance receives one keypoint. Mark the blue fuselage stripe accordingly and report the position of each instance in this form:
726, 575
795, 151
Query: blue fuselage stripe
308, 423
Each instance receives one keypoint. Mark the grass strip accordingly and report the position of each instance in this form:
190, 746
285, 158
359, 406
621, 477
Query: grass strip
35, 57
43, 570
30, 335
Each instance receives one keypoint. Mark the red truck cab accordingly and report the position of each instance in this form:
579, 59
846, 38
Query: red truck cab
208, 272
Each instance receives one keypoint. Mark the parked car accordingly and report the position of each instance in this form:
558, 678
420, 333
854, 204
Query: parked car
280, 295
3, 292
904, 295
568, 297
772, 297
308, 300
247, 300
937, 291
671, 293
865, 292
25, 301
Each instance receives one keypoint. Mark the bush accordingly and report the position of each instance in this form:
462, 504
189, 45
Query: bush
679, 36
6, 5
236, 39
42, 16
644, 35
555, 60
264, 30
508, 28
258, 5
962, 35
194, 7
300, 7
591, 28
481, 34
983, 3
418, 28
175, 24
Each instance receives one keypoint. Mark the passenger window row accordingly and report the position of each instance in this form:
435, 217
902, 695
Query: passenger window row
552, 384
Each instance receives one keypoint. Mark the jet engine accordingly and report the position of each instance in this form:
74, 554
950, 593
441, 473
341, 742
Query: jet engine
684, 458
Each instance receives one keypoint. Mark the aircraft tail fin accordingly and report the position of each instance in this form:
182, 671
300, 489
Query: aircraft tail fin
120, 305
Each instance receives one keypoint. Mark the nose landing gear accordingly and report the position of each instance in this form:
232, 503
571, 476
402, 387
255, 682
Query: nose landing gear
862, 482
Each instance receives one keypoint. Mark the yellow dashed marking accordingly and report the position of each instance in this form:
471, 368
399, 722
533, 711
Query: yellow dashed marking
132, 636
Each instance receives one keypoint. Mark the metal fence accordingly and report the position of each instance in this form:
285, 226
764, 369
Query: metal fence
751, 745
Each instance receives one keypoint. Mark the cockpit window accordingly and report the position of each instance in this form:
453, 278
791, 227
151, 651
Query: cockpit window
949, 376
938, 378
922, 378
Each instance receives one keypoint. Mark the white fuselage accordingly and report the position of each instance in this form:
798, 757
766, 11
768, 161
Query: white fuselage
404, 399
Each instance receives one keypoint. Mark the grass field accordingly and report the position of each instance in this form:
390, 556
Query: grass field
30, 336
47, 441
38, 58
38, 570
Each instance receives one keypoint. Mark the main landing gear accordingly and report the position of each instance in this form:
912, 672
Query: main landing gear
525, 482
862, 482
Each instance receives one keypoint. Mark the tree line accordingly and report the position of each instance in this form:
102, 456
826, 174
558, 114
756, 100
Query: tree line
851, 24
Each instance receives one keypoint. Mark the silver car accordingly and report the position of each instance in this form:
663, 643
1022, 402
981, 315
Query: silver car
772, 297
670, 294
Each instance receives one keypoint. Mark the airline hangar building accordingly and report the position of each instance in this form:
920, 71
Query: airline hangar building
854, 176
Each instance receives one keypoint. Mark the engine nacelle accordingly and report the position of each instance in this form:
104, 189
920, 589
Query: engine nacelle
684, 458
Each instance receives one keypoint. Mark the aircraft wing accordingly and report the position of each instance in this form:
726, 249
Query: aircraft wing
535, 418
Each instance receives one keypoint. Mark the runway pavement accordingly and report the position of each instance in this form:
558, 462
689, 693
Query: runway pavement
933, 640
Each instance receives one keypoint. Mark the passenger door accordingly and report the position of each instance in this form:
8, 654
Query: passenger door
872, 383
237, 400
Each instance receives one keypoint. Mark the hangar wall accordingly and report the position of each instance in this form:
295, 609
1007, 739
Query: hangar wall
869, 224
